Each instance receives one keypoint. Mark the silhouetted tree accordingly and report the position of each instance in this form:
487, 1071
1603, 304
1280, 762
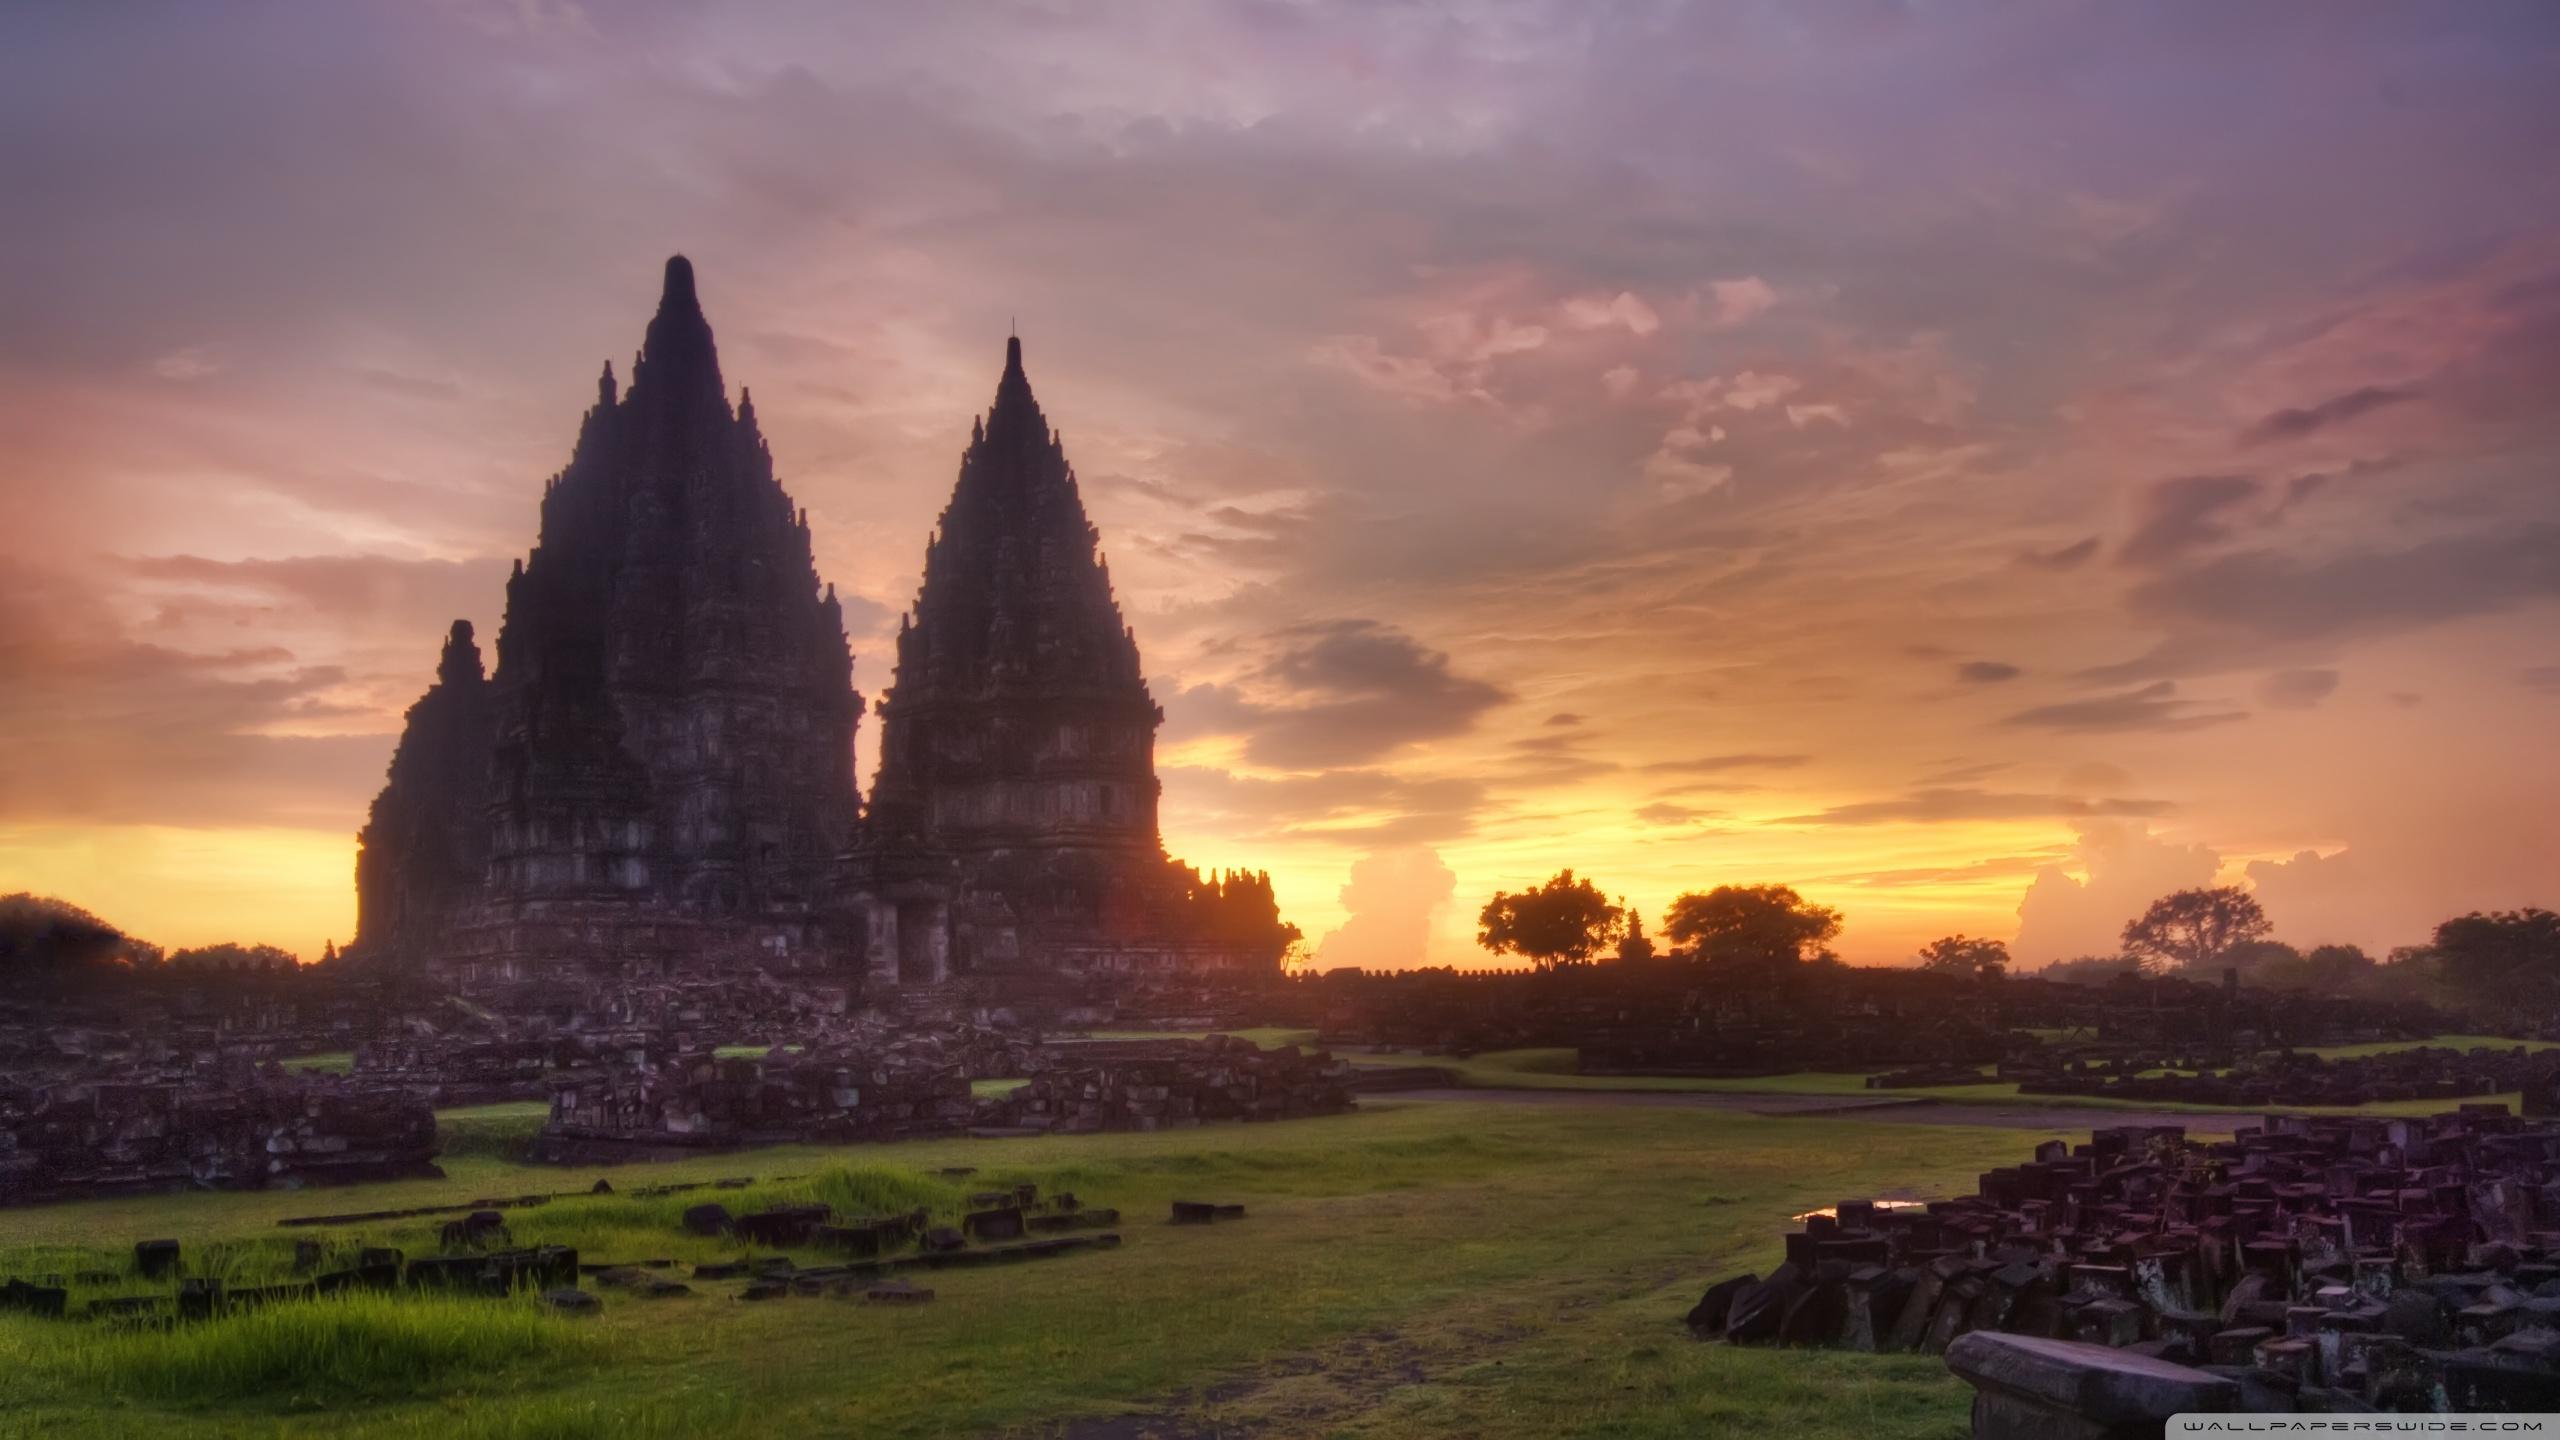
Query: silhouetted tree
232, 955
1565, 921
2323, 970
2256, 960
40, 933
1635, 947
1762, 924
2195, 929
1962, 955
2509, 958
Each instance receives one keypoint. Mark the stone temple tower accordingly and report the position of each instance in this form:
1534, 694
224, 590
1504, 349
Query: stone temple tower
669, 775
1013, 824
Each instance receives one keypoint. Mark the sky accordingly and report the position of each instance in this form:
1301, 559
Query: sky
1985, 465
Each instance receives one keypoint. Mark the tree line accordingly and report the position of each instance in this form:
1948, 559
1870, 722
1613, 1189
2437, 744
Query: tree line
40, 934
2507, 959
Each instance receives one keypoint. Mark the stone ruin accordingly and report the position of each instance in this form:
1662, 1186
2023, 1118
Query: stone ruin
919, 1086
1166, 1085
703, 1101
2289, 1078
71, 1136
658, 772
2318, 1264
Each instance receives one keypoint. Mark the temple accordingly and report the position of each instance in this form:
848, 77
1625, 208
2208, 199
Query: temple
659, 774
1012, 827
669, 772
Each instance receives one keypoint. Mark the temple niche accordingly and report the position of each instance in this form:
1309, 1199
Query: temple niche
1012, 828
659, 773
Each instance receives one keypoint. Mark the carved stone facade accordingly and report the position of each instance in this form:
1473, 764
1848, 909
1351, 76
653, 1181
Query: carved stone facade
666, 748
1013, 822
669, 775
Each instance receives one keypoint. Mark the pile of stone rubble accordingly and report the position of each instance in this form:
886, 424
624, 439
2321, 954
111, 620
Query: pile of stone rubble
2329, 1264
68, 1136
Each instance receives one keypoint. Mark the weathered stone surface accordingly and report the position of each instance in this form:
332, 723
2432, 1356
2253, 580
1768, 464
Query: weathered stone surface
1707, 1317
2030, 1389
2237, 1253
667, 772
659, 771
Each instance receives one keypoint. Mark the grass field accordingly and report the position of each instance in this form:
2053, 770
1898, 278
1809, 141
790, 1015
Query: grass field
1415, 1269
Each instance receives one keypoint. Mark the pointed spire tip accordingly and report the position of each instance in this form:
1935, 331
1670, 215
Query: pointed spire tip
679, 286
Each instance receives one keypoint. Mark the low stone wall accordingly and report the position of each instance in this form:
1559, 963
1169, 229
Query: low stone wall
2318, 1264
73, 1138
1169, 1084
701, 1102
2421, 1073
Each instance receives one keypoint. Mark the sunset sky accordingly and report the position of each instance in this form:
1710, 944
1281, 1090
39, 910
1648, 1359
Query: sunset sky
1983, 464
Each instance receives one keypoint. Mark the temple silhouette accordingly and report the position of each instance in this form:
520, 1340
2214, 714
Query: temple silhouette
659, 774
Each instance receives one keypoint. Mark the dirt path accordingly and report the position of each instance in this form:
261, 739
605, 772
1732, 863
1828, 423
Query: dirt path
1899, 1109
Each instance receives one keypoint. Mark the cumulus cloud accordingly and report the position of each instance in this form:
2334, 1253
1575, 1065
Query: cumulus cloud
2123, 868
1734, 302
1392, 898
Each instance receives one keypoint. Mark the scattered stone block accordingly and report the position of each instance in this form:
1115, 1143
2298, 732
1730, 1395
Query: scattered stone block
2026, 1388
155, 1259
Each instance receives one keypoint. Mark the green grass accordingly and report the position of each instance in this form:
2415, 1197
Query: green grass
1413, 1269
503, 1131
321, 1354
1416, 1269
327, 1062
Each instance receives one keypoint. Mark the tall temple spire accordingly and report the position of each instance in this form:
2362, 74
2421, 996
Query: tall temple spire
1018, 736
1016, 608
671, 596
678, 363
